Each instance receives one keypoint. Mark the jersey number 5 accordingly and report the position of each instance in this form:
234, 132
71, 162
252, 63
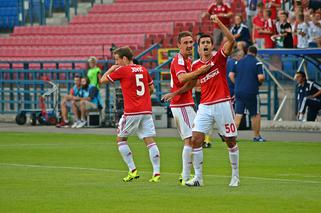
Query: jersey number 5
140, 85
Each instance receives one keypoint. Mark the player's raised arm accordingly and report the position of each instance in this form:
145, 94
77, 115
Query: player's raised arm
229, 44
104, 79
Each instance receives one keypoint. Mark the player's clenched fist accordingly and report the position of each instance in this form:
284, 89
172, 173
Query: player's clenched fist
214, 18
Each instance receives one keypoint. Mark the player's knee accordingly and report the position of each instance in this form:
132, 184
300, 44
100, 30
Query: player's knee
197, 139
230, 141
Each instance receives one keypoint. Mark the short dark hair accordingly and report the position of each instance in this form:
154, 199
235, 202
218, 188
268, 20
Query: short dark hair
285, 13
301, 73
205, 36
124, 52
252, 49
182, 35
77, 76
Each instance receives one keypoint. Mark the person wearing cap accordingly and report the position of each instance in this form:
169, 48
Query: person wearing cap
94, 72
308, 95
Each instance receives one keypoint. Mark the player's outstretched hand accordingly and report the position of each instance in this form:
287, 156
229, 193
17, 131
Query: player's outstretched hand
214, 18
167, 97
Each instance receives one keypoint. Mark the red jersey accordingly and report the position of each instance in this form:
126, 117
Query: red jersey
134, 81
268, 25
259, 22
180, 65
267, 5
214, 87
216, 9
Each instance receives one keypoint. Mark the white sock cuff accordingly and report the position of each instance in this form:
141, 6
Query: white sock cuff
122, 143
151, 145
198, 149
234, 149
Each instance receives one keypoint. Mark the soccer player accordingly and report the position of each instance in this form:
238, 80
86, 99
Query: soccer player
137, 86
181, 100
215, 104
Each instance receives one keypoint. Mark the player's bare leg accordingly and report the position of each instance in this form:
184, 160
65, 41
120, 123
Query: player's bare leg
154, 156
127, 155
234, 159
197, 140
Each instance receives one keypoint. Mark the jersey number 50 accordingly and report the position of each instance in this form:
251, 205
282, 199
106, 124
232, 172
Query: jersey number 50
140, 85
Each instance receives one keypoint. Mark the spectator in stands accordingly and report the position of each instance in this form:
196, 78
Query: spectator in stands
258, 24
94, 72
308, 95
90, 100
278, 22
302, 32
68, 100
247, 76
315, 31
294, 24
241, 33
273, 6
251, 7
268, 30
285, 33
224, 14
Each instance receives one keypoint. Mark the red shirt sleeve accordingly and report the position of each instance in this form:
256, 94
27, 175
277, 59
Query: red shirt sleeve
116, 75
179, 66
227, 8
210, 9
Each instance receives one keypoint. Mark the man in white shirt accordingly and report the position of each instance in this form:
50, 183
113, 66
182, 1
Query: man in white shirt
302, 32
315, 31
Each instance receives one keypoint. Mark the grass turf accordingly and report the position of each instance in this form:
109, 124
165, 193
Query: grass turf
82, 173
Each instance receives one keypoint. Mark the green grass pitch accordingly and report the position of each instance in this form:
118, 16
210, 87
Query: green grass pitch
83, 173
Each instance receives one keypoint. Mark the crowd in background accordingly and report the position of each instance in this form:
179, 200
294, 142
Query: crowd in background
270, 24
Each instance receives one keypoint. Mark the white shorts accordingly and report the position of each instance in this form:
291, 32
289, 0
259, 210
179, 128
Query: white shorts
221, 113
143, 125
184, 118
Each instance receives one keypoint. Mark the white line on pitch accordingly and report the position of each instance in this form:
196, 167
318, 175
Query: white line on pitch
166, 173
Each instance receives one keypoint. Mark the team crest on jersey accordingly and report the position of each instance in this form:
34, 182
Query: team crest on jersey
181, 60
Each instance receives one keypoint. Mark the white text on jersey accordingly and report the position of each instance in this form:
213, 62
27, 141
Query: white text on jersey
210, 75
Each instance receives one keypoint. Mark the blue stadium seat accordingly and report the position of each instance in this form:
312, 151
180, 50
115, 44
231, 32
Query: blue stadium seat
9, 13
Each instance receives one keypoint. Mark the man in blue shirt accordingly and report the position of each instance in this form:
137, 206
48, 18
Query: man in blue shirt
89, 99
247, 76
241, 33
309, 95
231, 60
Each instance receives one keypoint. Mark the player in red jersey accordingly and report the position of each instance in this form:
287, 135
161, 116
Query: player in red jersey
181, 99
215, 104
137, 86
268, 30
